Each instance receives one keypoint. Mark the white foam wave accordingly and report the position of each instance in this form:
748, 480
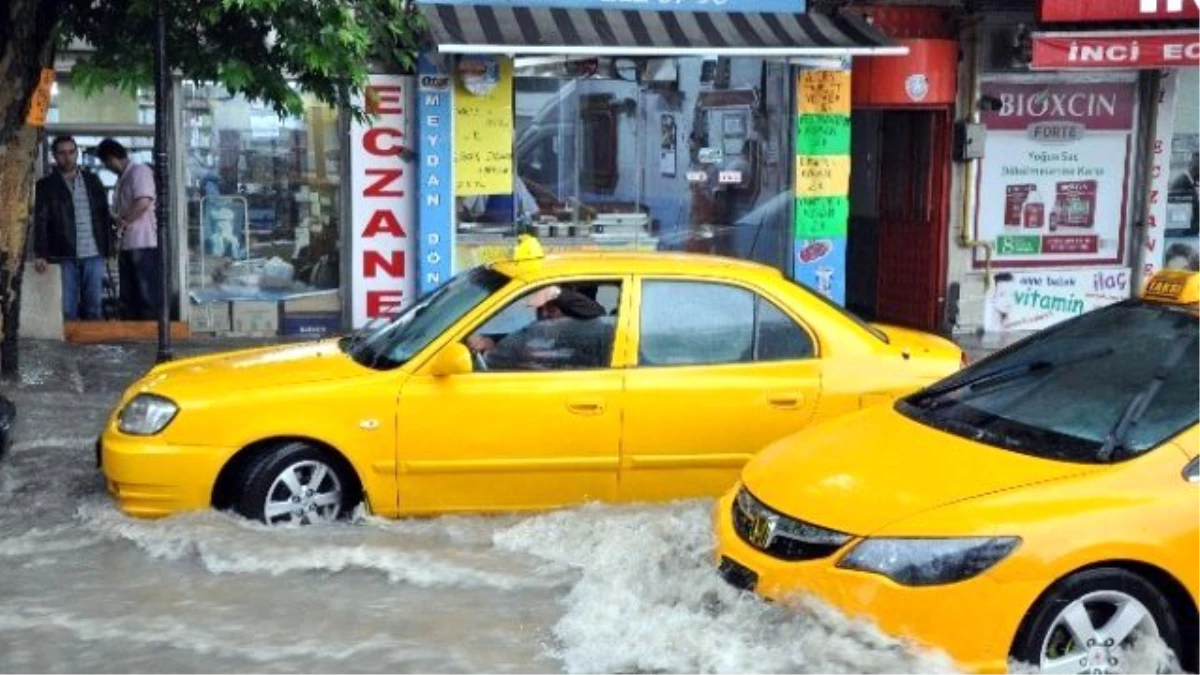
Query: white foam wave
39, 541
648, 584
225, 544
164, 631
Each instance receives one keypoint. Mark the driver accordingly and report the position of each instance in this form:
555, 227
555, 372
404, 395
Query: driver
558, 311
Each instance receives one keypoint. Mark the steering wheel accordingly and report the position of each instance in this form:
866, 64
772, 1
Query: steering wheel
480, 362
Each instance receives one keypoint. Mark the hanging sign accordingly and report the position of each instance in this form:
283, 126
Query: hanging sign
1106, 11
383, 205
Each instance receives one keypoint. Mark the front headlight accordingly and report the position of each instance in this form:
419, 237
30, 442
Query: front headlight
146, 415
928, 562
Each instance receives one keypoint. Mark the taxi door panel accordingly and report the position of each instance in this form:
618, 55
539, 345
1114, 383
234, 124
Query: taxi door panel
516, 440
689, 428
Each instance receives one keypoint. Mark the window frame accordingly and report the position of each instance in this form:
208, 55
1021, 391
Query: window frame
621, 330
759, 293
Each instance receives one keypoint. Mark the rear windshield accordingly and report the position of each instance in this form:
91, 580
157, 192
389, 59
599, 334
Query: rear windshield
1103, 387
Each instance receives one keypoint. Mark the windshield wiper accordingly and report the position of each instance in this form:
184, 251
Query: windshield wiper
1118, 436
1016, 371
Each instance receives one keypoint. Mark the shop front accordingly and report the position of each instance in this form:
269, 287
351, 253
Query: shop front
256, 225
703, 128
1084, 188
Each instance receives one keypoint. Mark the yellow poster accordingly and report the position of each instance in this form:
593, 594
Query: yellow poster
483, 127
825, 92
823, 176
39, 106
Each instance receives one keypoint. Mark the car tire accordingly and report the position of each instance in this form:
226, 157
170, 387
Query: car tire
296, 483
1046, 637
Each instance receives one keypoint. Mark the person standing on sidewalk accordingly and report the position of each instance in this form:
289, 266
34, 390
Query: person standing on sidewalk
137, 229
73, 228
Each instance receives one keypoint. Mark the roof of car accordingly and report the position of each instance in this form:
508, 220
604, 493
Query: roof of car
632, 262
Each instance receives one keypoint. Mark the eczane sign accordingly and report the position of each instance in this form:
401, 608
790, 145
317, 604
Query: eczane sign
1101, 11
383, 206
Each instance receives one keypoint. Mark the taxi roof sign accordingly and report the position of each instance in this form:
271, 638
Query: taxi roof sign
527, 248
1177, 287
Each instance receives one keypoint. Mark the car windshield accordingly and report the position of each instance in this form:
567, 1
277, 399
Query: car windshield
393, 343
1106, 386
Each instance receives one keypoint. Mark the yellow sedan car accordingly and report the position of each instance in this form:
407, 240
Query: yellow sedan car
1039, 507
526, 384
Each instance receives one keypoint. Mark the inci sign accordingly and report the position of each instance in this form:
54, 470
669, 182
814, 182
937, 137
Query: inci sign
383, 201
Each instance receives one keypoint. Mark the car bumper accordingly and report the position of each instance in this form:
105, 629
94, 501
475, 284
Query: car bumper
149, 479
972, 621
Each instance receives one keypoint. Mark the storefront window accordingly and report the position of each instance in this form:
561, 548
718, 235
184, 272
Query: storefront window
668, 154
1183, 211
262, 210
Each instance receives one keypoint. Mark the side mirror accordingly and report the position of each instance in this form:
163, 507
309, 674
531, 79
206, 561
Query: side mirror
455, 359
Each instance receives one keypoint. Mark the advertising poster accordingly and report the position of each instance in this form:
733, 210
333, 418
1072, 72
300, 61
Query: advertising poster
1182, 249
226, 227
1029, 301
1053, 185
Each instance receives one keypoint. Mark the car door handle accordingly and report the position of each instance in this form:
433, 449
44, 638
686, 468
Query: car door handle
786, 400
585, 406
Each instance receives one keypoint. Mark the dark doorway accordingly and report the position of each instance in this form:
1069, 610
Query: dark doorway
898, 216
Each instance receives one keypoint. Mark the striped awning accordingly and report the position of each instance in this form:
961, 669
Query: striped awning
551, 31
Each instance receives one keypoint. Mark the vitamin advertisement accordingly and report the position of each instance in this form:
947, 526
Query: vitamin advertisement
1052, 187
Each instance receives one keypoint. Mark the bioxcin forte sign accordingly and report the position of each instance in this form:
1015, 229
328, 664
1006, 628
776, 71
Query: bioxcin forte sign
1052, 189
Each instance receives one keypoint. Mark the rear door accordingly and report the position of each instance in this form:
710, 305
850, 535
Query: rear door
720, 371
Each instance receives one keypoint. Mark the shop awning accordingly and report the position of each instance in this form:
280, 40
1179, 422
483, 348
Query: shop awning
1107, 50
549, 31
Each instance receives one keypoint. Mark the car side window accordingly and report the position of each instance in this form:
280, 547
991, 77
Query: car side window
705, 323
777, 337
522, 338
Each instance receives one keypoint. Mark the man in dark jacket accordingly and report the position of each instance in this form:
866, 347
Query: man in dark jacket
72, 227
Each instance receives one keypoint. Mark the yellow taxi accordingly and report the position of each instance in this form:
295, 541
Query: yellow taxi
1039, 507
531, 383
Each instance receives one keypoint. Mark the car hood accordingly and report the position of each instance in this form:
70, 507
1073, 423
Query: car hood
253, 369
864, 471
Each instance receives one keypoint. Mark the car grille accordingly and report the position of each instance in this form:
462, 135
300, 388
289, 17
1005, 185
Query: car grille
780, 536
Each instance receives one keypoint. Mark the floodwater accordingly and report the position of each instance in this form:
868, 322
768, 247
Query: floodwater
594, 589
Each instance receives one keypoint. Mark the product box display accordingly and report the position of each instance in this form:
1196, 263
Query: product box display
311, 324
210, 317
255, 316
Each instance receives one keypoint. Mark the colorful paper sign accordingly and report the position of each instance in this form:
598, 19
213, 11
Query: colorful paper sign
435, 174
818, 217
483, 134
822, 180
823, 176
823, 135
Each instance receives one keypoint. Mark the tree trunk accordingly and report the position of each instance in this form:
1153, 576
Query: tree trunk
27, 40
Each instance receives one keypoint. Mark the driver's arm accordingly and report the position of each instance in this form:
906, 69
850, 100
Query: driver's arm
480, 343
